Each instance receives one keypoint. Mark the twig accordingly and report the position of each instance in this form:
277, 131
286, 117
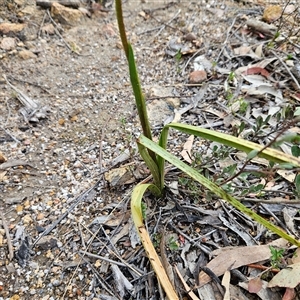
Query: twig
149, 30
78, 199
227, 37
97, 275
277, 201
276, 218
285, 128
31, 83
43, 21
187, 63
288, 70
58, 33
81, 236
166, 24
9, 245
104, 258
8, 133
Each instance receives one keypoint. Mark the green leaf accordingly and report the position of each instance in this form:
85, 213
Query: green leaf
272, 155
297, 183
214, 188
297, 111
252, 154
151, 164
295, 150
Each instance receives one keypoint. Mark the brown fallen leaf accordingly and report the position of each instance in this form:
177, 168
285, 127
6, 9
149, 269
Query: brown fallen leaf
288, 277
235, 257
289, 294
254, 285
187, 147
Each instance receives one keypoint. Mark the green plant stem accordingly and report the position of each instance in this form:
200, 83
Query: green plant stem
134, 78
139, 97
123, 36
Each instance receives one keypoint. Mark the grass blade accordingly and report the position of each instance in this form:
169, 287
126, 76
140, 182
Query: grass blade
238, 143
137, 216
214, 188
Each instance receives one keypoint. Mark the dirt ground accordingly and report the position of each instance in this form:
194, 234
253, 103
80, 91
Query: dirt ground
88, 120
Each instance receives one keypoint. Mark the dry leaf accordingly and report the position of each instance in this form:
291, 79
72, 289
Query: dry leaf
226, 284
255, 285
257, 70
296, 256
187, 147
289, 294
288, 277
235, 257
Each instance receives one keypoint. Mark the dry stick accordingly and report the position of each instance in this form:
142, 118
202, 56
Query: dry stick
85, 253
9, 245
73, 275
58, 33
167, 24
276, 218
78, 199
187, 63
81, 236
227, 37
288, 70
124, 263
91, 240
8, 133
43, 21
31, 83
149, 30
260, 151
279, 201
96, 273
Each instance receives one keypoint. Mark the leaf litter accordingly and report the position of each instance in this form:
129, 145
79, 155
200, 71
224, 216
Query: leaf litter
95, 253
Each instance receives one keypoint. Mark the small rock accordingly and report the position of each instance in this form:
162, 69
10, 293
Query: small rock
272, 13
159, 111
26, 54
190, 37
20, 2
48, 29
6, 28
159, 91
8, 43
29, 10
66, 15
118, 176
27, 219
47, 242
2, 158
197, 76
40, 216
174, 102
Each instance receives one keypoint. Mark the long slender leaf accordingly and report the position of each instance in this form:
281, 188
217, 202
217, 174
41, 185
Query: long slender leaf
151, 165
214, 188
138, 94
137, 216
160, 161
238, 143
